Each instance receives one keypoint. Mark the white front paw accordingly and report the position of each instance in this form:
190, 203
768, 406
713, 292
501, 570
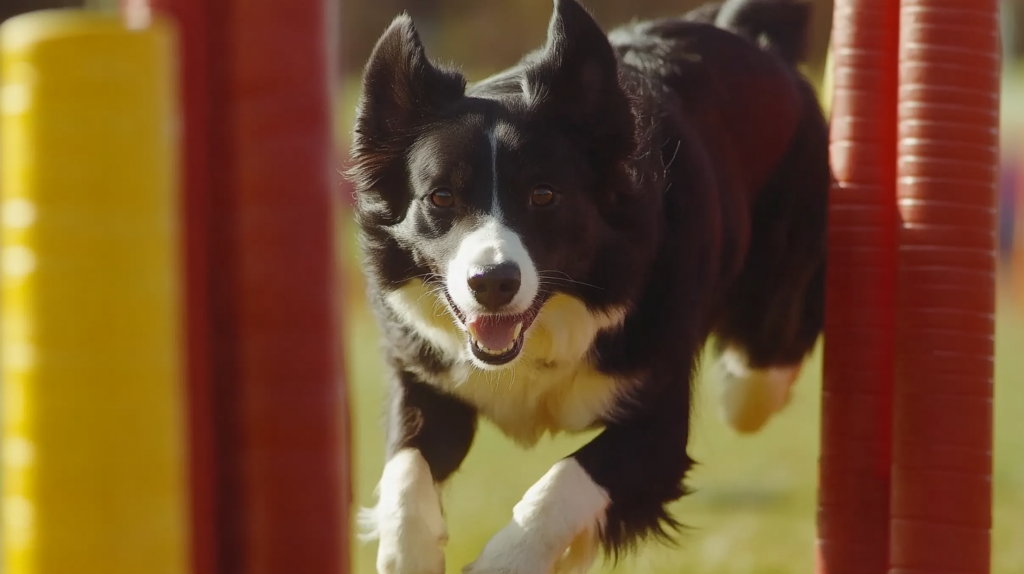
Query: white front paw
554, 528
407, 520
410, 547
512, 551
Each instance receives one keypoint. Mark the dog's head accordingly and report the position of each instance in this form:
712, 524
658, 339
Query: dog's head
505, 194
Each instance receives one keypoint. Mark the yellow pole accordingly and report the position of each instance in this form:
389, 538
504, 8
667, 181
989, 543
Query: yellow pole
93, 432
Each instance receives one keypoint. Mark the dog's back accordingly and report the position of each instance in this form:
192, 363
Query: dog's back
776, 25
748, 203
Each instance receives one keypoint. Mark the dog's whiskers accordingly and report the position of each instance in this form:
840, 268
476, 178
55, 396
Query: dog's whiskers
545, 276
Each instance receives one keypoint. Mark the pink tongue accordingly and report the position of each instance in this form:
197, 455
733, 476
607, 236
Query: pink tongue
495, 333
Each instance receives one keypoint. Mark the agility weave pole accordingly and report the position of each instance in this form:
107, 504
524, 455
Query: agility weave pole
94, 456
922, 448
265, 368
947, 192
859, 354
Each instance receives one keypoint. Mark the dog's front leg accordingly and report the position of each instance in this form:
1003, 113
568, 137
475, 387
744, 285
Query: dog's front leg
611, 491
429, 434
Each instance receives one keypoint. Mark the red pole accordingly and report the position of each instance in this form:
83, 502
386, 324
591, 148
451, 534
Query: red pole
853, 513
948, 158
270, 469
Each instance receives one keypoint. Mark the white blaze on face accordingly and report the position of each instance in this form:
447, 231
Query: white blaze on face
490, 244
492, 139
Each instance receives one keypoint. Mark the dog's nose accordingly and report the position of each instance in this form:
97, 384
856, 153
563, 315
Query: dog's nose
495, 286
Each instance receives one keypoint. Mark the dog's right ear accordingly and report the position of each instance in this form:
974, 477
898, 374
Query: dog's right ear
400, 85
401, 88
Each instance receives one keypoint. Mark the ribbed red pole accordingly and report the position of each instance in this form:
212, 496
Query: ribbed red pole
275, 345
853, 513
948, 158
270, 454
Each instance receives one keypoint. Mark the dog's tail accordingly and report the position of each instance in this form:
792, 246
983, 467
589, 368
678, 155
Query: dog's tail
780, 26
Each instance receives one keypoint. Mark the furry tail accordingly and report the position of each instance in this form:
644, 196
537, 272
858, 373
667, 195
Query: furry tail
780, 26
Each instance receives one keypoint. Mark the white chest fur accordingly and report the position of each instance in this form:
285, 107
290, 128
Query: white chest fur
551, 387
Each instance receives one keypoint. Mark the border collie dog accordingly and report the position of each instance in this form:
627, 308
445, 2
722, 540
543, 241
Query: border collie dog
551, 248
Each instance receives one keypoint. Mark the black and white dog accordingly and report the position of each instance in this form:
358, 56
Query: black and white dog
551, 248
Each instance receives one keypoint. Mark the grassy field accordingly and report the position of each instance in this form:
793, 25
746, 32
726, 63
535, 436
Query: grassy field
754, 509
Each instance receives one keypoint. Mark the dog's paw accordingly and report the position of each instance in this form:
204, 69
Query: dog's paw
410, 549
411, 540
581, 553
554, 529
406, 544
407, 521
515, 550
749, 397
512, 551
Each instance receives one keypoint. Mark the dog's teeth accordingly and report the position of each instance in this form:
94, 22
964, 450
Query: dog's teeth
515, 334
495, 352
489, 350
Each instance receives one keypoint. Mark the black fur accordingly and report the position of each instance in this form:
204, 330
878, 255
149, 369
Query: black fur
693, 159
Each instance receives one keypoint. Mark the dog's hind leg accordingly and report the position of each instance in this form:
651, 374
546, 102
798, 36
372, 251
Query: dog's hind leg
761, 352
773, 313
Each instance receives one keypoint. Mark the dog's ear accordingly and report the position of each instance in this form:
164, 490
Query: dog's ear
400, 84
576, 77
401, 88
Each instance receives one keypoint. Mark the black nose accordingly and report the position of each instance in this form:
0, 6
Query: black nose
495, 286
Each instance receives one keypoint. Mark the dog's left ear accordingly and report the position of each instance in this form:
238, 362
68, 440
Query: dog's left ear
577, 76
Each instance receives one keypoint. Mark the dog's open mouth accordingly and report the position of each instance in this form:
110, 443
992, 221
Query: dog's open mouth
496, 339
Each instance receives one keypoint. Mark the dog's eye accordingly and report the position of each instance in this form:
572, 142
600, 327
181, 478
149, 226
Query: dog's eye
442, 198
542, 196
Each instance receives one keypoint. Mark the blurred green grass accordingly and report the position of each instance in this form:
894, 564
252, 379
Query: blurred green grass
753, 511
754, 507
